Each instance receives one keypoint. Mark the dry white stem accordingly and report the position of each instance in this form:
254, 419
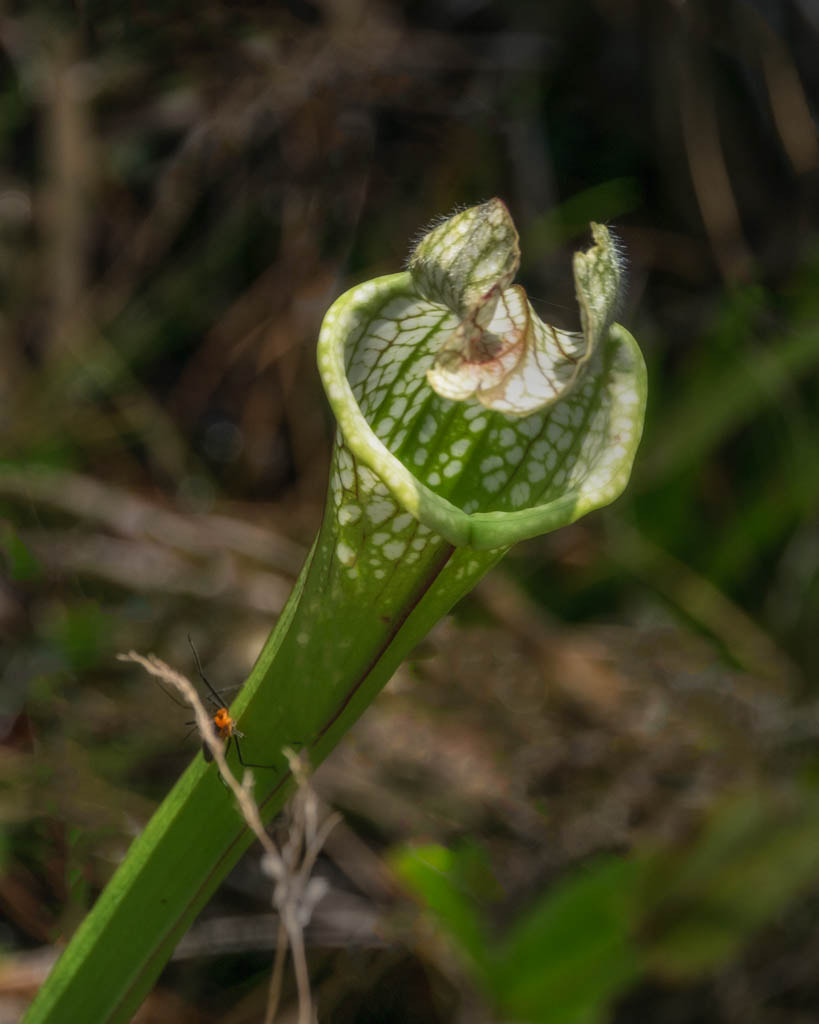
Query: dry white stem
204, 723
295, 894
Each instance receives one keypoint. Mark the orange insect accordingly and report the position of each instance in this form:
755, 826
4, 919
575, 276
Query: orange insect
223, 721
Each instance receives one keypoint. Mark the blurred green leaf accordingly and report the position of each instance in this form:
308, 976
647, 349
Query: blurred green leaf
453, 884
572, 952
563, 960
743, 870
23, 564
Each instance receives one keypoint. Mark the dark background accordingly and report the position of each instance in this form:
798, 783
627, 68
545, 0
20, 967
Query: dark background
184, 189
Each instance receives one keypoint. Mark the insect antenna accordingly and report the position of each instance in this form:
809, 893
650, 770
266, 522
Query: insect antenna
170, 694
216, 697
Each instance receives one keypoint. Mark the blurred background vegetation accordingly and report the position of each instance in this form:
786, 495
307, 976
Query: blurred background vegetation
183, 191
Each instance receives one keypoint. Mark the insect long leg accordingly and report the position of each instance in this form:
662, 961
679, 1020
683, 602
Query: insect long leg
242, 762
